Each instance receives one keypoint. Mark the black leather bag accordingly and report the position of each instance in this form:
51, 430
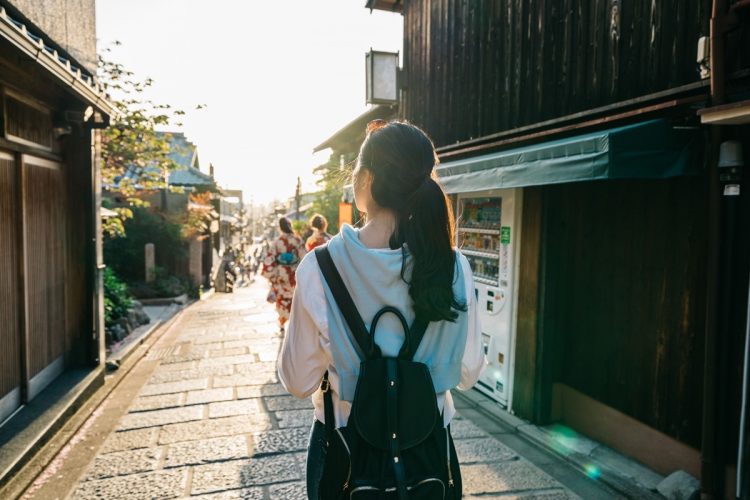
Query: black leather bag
394, 445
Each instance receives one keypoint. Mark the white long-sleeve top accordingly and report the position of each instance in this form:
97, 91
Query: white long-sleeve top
306, 353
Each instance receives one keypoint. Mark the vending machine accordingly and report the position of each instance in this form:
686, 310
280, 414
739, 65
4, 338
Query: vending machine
488, 227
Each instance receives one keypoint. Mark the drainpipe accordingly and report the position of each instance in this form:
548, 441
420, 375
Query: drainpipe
743, 478
710, 476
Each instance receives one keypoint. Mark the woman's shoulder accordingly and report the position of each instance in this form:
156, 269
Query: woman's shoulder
308, 266
461, 259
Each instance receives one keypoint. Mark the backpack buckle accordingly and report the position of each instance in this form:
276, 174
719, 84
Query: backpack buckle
325, 386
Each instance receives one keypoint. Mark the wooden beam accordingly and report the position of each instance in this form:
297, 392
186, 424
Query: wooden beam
625, 434
23, 298
640, 113
736, 113
526, 372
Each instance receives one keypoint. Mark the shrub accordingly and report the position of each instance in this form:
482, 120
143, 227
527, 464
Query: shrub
164, 285
117, 299
125, 255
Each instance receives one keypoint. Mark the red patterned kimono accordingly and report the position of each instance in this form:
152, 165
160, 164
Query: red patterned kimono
279, 264
316, 239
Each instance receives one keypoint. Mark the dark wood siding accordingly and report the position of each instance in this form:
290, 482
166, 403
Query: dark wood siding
476, 68
525, 396
10, 357
625, 286
79, 247
28, 123
44, 225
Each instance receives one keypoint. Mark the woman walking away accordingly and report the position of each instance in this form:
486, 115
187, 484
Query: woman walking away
281, 260
319, 236
379, 431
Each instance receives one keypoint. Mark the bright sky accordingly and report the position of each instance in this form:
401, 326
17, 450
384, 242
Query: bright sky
279, 77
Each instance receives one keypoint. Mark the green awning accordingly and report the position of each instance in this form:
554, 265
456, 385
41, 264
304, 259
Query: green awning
648, 150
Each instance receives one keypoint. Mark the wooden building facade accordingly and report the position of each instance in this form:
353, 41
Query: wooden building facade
618, 334
50, 249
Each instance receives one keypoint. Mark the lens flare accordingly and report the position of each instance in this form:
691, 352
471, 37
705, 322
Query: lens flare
593, 471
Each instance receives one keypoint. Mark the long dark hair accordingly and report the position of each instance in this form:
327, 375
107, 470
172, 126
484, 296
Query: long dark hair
401, 158
319, 222
285, 225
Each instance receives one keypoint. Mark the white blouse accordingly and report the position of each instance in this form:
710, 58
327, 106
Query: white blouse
306, 354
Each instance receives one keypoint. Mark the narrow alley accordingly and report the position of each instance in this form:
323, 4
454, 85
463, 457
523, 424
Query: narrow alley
207, 418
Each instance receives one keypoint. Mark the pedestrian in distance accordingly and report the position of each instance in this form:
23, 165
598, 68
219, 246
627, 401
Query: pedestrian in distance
279, 264
319, 236
307, 232
383, 326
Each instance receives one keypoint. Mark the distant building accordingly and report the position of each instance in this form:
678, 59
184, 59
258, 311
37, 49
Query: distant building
231, 218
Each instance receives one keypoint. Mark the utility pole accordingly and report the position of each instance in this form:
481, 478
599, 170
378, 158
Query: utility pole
297, 196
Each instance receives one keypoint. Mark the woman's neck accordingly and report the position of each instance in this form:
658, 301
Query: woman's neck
378, 229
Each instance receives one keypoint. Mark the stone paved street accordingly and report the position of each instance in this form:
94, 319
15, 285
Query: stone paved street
212, 421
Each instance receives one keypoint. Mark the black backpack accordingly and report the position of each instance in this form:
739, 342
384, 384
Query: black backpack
394, 445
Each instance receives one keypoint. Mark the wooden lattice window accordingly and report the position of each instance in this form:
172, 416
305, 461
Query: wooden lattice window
27, 122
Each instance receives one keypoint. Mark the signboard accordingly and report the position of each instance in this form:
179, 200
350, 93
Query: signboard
505, 235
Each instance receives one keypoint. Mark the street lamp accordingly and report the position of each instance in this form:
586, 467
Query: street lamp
381, 72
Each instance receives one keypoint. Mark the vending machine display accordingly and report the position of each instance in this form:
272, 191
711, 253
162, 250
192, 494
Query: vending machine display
485, 227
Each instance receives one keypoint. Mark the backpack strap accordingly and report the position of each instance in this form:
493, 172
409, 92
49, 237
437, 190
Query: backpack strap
416, 332
346, 304
329, 416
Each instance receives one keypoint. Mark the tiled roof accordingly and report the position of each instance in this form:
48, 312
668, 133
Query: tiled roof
185, 154
190, 177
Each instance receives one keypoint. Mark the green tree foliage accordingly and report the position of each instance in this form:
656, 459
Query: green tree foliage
332, 180
126, 256
131, 145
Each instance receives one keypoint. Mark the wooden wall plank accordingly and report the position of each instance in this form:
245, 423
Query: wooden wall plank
626, 260
44, 225
526, 359
478, 68
10, 352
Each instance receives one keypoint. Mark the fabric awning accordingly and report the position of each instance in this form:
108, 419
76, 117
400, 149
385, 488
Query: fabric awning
648, 150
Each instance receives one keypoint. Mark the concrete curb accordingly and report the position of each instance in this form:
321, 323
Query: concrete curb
117, 359
34, 425
65, 425
587, 465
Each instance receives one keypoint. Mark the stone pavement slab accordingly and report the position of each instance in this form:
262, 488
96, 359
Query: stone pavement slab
130, 440
160, 484
227, 426
123, 463
282, 441
206, 451
212, 421
248, 472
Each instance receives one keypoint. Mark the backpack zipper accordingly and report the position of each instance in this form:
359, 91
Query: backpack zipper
348, 452
393, 488
448, 448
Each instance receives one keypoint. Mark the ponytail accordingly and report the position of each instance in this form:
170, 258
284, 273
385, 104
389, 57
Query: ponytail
401, 158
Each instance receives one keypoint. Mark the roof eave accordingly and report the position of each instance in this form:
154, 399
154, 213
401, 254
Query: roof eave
91, 93
357, 125
385, 5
